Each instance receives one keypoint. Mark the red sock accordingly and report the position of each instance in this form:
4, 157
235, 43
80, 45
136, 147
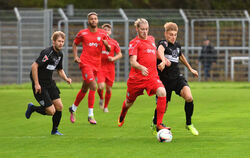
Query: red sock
91, 99
124, 110
161, 106
107, 99
100, 92
79, 97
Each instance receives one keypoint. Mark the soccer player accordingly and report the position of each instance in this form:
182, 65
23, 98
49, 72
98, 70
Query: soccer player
92, 40
44, 87
171, 77
106, 75
143, 73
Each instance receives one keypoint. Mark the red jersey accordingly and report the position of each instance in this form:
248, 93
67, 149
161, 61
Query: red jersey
145, 50
115, 48
92, 46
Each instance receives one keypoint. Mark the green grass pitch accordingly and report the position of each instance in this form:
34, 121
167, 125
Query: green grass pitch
222, 116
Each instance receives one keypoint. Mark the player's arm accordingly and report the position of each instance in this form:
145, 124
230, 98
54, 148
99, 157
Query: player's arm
160, 55
62, 74
106, 44
184, 61
135, 64
76, 58
116, 57
34, 70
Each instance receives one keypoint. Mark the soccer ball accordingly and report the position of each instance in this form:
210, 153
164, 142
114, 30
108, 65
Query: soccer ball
164, 135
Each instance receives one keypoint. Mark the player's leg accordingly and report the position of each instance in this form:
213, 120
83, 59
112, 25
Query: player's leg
57, 116
91, 101
107, 95
125, 106
80, 95
189, 108
43, 99
100, 93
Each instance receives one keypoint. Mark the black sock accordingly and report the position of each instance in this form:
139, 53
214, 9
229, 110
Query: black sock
155, 117
56, 120
39, 109
189, 108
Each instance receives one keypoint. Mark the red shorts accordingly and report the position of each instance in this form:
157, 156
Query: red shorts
136, 88
106, 76
89, 73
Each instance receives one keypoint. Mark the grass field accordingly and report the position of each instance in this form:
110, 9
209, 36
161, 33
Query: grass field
222, 116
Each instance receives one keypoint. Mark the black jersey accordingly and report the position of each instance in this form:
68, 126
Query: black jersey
172, 53
48, 61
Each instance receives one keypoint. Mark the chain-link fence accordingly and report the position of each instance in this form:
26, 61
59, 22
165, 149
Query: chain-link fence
25, 32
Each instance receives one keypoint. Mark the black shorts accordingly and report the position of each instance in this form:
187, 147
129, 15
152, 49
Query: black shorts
174, 85
49, 93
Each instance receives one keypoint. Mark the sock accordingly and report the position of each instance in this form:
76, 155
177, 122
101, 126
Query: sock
100, 93
161, 107
91, 112
123, 112
79, 97
39, 109
189, 108
107, 99
74, 107
91, 99
56, 120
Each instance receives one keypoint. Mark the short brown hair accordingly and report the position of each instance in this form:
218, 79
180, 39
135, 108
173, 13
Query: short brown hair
56, 35
171, 26
91, 13
106, 25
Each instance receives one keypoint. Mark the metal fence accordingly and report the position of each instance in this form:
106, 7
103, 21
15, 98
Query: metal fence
25, 32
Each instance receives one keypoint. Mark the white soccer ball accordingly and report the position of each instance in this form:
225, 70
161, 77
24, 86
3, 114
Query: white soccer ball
164, 135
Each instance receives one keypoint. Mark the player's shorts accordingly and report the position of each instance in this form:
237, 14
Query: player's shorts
49, 93
89, 73
136, 88
175, 85
107, 77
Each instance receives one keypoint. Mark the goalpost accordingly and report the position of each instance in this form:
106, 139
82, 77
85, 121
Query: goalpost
233, 59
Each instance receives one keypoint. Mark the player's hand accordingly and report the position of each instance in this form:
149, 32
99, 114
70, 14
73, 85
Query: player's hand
68, 80
77, 59
144, 71
168, 63
111, 58
194, 72
161, 66
38, 89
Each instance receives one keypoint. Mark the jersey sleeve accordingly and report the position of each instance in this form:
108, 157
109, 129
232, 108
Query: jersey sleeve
78, 39
133, 48
163, 43
117, 47
60, 65
43, 58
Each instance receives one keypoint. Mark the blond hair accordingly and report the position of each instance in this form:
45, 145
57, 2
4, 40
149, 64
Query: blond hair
140, 21
106, 25
171, 26
56, 35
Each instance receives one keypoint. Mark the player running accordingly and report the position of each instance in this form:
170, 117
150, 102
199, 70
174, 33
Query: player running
143, 73
106, 75
44, 87
92, 40
171, 77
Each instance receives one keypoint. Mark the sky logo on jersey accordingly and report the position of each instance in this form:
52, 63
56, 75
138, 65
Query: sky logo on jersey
93, 44
150, 51
45, 58
98, 38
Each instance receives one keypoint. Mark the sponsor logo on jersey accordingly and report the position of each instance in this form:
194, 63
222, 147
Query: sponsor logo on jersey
93, 44
98, 38
45, 58
51, 67
150, 51
105, 52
